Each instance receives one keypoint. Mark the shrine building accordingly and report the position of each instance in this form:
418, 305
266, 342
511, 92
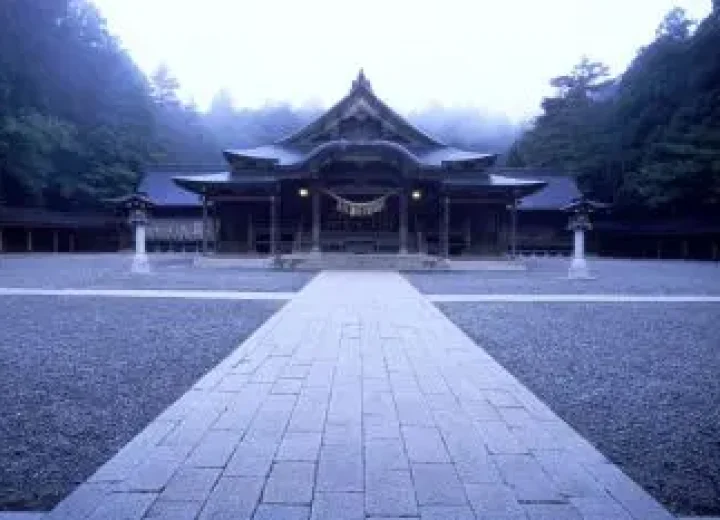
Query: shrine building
359, 179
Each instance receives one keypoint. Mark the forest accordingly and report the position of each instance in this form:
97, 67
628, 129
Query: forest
648, 140
79, 121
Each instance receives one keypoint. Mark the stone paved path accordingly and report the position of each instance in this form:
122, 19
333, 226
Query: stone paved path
357, 400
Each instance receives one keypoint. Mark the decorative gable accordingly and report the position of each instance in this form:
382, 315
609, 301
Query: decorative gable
360, 116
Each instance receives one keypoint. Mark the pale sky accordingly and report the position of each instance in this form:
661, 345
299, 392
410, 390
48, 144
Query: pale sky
496, 55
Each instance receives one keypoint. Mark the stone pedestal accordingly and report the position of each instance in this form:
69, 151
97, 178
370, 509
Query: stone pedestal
578, 267
140, 263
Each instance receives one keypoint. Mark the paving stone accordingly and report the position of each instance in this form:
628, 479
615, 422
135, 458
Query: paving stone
499, 439
601, 508
390, 493
443, 402
232, 382
123, 506
340, 469
191, 430
446, 513
279, 512
155, 472
346, 434
302, 446
501, 398
529, 482
467, 450
240, 413
438, 484
412, 410
376, 427
572, 479
494, 501
191, 484
552, 512
215, 449
481, 410
290, 483
309, 413
174, 510
424, 444
252, 458
233, 498
81, 502
287, 386
379, 403
296, 371
133, 453
332, 506
385, 454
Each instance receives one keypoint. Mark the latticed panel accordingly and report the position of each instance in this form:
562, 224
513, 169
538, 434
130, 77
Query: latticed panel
178, 230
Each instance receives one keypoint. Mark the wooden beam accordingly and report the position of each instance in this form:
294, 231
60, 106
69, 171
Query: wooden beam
240, 198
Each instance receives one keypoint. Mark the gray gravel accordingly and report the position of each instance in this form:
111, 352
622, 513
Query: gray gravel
111, 271
81, 376
550, 277
640, 381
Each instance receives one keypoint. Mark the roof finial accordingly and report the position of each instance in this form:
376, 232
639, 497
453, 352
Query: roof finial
362, 81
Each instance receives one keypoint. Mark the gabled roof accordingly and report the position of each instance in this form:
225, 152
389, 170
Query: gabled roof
560, 190
358, 120
361, 101
162, 190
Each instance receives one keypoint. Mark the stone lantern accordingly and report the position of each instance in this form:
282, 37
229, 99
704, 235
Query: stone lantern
137, 207
579, 224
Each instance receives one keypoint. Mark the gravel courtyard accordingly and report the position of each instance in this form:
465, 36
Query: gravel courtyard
639, 380
550, 276
82, 375
112, 271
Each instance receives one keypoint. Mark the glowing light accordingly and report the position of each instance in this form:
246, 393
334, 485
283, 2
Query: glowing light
416, 195
303, 192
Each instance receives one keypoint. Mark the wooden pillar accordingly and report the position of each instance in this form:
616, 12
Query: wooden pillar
513, 229
445, 231
204, 225
250, 233
316, 219
273, 225
403, 199
216, 228
29, 241
468, 231
56, 241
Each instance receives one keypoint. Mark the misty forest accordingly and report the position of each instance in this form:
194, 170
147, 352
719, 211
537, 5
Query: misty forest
79, 121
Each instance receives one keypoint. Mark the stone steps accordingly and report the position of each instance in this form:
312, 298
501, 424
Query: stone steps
362, 262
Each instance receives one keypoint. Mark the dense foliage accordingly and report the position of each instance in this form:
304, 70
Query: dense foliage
647, 139
79, 121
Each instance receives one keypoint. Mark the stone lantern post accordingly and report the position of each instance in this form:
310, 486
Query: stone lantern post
137, 207
579, 224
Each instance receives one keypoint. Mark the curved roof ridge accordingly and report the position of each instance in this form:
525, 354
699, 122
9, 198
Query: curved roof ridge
361, 85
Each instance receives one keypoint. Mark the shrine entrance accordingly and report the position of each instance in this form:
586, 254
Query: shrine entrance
360, 223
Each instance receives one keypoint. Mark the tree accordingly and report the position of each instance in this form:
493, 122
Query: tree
675, 26
648, 139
